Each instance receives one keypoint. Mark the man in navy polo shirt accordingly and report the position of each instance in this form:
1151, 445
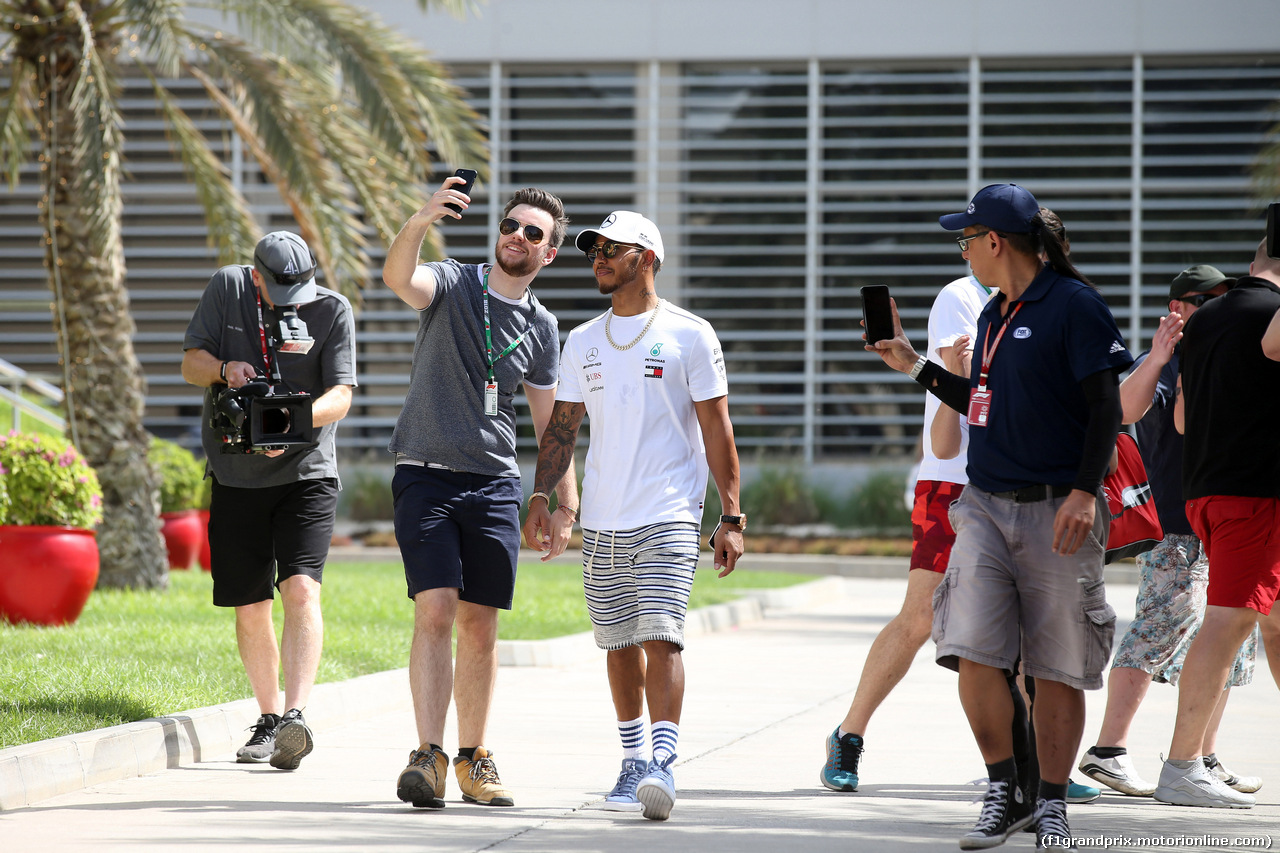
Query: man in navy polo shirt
1025, 573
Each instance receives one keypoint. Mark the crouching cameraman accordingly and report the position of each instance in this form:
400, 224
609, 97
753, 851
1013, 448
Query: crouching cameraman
289, 345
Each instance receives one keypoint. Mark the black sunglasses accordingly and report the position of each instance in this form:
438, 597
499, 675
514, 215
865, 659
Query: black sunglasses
609, 249
1197, 300
532, 233
288, 279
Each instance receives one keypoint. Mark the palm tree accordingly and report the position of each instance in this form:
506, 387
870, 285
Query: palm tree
339, 111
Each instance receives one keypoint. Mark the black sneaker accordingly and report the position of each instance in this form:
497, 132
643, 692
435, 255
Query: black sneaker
1052, 832
261, 743
293, 741
1004, 811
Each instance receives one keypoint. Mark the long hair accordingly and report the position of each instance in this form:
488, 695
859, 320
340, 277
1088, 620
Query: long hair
1043, 238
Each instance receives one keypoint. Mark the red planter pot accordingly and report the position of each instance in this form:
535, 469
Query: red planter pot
46, 573
206, 561
182, 534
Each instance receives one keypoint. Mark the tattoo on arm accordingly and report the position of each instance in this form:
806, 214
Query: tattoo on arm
555, 455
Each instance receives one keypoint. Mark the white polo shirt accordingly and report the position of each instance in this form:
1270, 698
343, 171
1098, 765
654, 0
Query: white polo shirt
646, 462
954, 313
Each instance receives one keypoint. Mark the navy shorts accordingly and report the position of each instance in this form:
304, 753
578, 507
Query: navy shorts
259, 537
458, 530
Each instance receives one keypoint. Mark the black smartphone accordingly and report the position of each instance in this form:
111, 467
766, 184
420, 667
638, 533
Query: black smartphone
468, 175
711, 543
877, 316
1273, 230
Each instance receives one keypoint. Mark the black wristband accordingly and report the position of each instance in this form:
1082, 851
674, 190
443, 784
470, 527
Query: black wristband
223, 371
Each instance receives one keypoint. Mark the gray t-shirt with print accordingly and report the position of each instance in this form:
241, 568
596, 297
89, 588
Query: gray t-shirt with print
226, 325
443, 420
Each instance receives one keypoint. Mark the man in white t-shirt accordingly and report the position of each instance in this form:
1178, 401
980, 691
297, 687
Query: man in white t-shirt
954, 313
652, 378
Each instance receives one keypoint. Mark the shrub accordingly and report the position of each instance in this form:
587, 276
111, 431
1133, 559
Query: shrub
877, 506
181, 475
780, 496
48, 482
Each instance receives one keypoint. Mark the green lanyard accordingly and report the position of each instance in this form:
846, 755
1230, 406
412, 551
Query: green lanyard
488, 334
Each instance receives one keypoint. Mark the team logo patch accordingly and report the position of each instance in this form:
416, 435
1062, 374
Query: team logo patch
970, 209
593, 354
657, 350
1022, 333
653, 371
1116, 347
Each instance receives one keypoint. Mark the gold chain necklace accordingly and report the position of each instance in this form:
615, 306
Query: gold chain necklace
639, 337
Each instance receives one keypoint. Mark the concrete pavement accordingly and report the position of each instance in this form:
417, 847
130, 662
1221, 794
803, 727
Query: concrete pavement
761, 697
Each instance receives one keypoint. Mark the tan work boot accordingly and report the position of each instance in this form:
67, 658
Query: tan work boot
422, 782
479, 780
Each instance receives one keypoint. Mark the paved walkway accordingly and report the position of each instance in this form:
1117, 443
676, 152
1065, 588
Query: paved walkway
760, 700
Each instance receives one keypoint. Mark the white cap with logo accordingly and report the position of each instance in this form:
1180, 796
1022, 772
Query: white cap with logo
623, 226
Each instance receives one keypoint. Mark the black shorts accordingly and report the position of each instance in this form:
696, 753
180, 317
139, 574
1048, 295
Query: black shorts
458, 530
259, 537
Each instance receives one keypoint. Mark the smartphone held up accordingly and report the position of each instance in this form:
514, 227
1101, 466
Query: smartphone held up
469, 176
877, 315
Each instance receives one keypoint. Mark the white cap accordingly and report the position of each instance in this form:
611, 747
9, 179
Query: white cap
623, 226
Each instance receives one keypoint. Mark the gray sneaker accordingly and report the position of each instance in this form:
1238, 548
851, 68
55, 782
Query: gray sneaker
1117, 773
657, 790
1196, 786
623, 796
261, 743
293, 741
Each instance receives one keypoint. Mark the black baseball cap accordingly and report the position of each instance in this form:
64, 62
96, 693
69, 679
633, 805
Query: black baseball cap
1200, 278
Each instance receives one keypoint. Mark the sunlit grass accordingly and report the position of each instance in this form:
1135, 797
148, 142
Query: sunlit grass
134, 655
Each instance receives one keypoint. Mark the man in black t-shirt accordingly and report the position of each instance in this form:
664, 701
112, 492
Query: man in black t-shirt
1231, 480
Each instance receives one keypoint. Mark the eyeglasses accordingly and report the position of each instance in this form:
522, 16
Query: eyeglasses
1197, 300
963, 242
532, 233
609, 249
287, 279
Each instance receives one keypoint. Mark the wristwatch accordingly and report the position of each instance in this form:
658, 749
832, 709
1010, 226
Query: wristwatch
739, 520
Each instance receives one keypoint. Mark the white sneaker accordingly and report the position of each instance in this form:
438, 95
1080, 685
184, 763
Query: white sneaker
1118, 773
1196, 786
1243, 784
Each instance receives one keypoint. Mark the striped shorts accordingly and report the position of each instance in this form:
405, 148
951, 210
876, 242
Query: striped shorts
637, 582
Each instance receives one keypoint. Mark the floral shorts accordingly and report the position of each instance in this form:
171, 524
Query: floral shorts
1172, 596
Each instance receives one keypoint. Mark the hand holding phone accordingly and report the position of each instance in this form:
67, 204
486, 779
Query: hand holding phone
469, 176
877, 316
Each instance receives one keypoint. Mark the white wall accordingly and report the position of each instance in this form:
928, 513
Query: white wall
684, 30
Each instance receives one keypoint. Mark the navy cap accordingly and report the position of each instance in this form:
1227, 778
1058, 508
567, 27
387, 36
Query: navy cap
1000, 207
287, 268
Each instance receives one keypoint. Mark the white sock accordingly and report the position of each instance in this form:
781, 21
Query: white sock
665, 735
634, 743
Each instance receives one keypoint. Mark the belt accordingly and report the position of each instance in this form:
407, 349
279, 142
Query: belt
401, 459
1031, 494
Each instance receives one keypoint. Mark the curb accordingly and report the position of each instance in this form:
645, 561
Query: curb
38, 771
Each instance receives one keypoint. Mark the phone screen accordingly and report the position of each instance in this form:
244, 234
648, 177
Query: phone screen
876, 314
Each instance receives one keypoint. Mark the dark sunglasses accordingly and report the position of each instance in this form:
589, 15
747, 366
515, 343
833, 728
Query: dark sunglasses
609, 249
1197, 300
532, 233
287, 279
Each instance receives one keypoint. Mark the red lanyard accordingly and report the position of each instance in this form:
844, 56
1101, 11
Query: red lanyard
989, 354
262, 333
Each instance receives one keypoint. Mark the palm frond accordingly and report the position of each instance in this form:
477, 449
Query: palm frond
279, 123
16, 116
232, 228
159, 26
457, 8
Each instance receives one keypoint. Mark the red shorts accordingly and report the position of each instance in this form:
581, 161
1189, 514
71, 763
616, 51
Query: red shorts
931, 533
1241, 538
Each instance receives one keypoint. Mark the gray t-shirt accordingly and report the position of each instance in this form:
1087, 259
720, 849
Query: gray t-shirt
226, 325
443, 419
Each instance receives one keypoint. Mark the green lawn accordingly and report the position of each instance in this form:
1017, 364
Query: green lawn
134, 655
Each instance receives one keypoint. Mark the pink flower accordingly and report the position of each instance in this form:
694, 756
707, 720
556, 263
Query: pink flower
95, 501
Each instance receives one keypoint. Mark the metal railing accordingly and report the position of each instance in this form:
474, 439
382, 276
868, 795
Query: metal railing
16, 379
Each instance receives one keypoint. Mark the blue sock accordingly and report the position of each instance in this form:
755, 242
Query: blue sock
634, 744
665, 735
